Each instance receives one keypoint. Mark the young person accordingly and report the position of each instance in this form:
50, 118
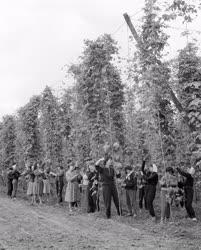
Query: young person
130, 185
152, 180
107, 173
168, 187
188, 190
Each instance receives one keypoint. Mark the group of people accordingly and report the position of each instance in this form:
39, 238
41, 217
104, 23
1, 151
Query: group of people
176, 185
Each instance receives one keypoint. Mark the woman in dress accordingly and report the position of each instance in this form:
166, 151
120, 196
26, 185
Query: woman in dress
72, 191
38, 182
29, 174
46, 184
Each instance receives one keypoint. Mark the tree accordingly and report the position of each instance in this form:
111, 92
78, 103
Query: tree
155, 75
189, 76
100, 91
51, 128
8, 137
29, 130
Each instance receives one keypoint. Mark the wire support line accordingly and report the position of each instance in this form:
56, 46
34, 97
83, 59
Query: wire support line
120, 26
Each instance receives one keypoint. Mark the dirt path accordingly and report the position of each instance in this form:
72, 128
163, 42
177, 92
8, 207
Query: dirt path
25, 227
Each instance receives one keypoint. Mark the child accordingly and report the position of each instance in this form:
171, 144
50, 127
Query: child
130, 185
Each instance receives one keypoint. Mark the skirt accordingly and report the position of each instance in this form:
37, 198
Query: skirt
35, 188
46, 186
38, 188
72, 192
30, 188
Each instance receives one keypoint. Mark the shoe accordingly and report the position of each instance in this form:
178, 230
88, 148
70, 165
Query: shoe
194, 219
135, 215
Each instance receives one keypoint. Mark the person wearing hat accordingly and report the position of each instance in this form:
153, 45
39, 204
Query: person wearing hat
168, 184
130, 185
188, 190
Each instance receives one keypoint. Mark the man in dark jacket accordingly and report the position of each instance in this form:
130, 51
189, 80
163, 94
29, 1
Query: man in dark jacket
188, 190
152, 180
107, 173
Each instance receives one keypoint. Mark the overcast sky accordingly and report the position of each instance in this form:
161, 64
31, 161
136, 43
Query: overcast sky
38, 37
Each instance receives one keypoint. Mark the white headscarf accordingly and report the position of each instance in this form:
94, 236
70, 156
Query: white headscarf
191, 171
155, 169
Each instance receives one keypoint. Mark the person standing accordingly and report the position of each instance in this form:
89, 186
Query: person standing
59, 183
130, 185
29, 174
10, 182
188, 191
152, 181
46, 183
168, 187
107, 173
142, 185
72, 195
92, 193
16, 175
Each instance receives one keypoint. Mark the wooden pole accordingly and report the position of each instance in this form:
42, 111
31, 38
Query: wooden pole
175, 100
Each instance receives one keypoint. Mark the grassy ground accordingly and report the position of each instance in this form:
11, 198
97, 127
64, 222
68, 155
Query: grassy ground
182, 232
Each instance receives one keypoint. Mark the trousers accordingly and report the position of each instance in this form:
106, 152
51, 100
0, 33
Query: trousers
131, 200
151, 192
9, 187
59, 190
15, 185
109, 192
188, 191
142, 198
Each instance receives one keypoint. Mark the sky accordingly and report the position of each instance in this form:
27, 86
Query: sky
39, 37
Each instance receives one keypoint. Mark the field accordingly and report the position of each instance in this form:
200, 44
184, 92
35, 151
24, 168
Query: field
52, 227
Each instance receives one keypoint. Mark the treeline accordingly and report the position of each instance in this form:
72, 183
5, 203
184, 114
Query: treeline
157, 113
